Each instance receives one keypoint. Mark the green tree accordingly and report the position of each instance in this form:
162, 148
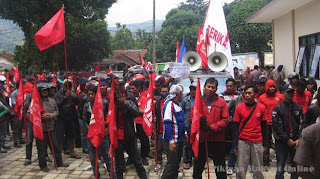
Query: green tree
86, 32
245, 37
123, 38
197, 6
178, 24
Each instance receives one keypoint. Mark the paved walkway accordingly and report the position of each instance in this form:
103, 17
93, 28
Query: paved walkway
11, 166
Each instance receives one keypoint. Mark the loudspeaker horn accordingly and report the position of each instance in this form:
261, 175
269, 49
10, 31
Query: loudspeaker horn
217, 61
193, 58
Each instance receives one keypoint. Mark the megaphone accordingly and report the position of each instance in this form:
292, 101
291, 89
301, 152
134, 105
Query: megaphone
217, 61
193, 58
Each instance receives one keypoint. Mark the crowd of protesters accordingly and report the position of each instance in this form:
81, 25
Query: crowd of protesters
257, 111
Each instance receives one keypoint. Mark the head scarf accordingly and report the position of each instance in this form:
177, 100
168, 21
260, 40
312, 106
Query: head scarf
173, 92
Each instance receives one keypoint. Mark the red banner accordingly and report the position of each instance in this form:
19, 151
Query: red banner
195, 128
96, 131
18, 108
52, 33
148, 112
111, 120
35, 113
202, 48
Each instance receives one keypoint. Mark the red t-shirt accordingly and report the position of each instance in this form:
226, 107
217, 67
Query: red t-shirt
252, 130
120, 125
141, 105
303, 100
270, 102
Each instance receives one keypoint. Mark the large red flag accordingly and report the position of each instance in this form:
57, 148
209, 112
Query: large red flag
109, 72
16, 75
111, 120
52, 33
148, 115
35, 113
96, 131
18, 108
202, 48
177, 51
8, 84
78, 90
97, 68
195, 128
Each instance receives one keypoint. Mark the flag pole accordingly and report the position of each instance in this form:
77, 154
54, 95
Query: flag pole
155, 139
207, 158
96, 165
66, 61
111, 171
54, 156
25, 122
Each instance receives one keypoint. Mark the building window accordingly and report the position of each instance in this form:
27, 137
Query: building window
307, 64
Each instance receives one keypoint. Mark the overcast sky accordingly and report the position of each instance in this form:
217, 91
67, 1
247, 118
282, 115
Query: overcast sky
135, 11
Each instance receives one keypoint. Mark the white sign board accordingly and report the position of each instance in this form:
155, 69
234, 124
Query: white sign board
179, 70
244, 60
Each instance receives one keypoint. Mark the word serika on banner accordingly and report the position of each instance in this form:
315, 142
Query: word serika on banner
215, 32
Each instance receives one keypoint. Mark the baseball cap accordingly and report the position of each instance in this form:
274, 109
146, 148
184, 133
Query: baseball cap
287, 87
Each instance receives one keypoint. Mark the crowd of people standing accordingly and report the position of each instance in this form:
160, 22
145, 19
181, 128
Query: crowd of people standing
257, 111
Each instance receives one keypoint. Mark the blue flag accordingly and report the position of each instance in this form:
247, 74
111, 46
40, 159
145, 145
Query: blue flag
183, 50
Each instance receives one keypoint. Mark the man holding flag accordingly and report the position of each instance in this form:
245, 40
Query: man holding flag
212, 126
89, 117
17, 101
43, 113
126, 111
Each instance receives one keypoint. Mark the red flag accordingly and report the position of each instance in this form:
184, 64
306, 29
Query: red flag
202, 48
52, 33
96, 131
54, 78
177, 51
35, 113
109, 72
97, 68
111, 120
148, 115
11, 71
8, 84
143, 63
78, 90
16, 75
195, 128
18, 108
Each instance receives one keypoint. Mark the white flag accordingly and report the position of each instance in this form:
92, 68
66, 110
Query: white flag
216, 33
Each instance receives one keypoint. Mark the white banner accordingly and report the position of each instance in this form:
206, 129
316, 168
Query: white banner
216, 33
179, 70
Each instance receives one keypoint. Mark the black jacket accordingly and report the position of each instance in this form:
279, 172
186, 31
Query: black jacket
131, 111
87, 110
280, 121
67, 106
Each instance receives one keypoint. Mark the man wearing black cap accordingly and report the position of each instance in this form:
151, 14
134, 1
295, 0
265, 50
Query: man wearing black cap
302, 96
287, 129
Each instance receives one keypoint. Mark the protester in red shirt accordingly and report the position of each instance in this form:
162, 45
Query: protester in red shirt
136, 89
270, 99
302, 96
250, 136
213, 125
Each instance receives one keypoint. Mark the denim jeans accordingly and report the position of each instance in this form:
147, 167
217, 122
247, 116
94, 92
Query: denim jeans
84, 134
103, 151
29, 141
282, 151
187, 150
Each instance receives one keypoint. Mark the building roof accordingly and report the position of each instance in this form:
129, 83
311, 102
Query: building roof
7, 56
275, 9
130, 57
